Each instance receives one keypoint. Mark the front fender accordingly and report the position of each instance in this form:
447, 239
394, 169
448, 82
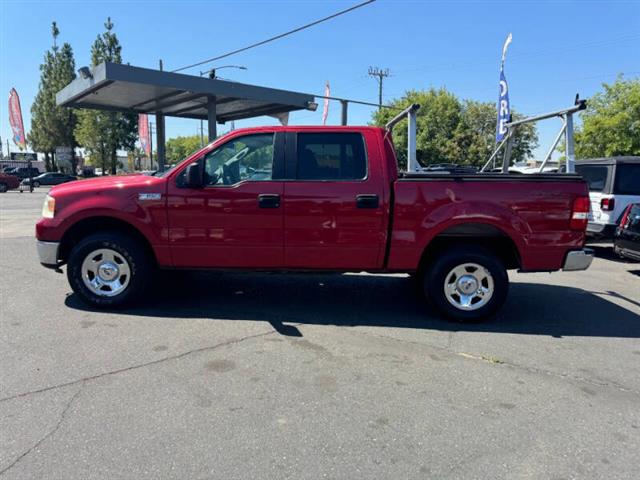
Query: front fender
149, 217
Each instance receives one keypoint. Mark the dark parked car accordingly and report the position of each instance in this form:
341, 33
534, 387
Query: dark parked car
626, 242
8, 182
25, 172
49, 178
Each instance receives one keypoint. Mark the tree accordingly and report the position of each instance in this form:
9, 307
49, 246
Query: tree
103, 133
611, 122
52, 126
453, 131
179, 148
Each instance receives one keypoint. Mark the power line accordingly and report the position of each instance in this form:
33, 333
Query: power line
277, 37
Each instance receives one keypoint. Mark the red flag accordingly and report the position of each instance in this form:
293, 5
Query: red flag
325, 109
15, 120
143, 132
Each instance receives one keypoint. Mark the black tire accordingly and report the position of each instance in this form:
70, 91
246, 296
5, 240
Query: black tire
437, 272
140, 266
36, 184
3, 187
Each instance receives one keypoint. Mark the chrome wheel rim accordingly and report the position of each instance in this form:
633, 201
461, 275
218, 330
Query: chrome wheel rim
468, 286
105, 272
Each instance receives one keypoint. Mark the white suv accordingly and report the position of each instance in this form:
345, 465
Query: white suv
614, 183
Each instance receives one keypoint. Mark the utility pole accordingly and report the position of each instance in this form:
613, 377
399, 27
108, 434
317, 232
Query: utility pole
379, 75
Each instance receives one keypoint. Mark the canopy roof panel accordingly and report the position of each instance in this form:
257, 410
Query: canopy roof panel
124, 88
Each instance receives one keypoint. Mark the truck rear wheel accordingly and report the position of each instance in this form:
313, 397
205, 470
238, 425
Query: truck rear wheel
466, 283
108, 270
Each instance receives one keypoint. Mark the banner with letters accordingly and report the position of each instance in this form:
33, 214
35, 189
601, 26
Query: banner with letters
504, 109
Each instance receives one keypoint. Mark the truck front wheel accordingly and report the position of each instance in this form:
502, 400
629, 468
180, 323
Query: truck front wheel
466, 283
108, 269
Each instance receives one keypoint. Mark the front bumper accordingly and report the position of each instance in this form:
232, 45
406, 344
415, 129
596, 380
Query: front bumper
48, 253
578, 260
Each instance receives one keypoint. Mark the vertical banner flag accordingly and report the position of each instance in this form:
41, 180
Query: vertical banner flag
15, 120
325, 108
143, 132
504, 110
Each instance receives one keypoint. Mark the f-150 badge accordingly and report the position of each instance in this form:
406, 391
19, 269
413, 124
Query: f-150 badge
149, 196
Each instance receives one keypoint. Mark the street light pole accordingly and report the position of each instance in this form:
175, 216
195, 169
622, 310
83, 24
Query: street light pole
212, 75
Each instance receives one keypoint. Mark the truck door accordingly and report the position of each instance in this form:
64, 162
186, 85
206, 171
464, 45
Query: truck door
333, 201
236, 220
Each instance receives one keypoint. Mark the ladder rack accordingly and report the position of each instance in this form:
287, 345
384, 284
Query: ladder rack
566, 130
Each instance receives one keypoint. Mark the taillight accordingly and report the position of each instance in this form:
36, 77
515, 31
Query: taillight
607, 204
579, 214
625, 216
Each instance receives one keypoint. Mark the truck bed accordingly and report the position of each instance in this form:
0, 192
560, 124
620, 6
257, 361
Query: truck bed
535, 219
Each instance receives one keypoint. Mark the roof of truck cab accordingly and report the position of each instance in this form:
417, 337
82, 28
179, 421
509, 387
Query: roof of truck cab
297, 128
608, 160
276, 128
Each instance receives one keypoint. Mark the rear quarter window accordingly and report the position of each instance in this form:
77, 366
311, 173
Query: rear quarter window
627, 179
594, 175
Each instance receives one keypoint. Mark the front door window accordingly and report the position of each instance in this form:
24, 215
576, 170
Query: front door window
247, 158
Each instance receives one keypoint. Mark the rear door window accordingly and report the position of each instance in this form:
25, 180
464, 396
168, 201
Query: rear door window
331, 156
627, 179
594, 175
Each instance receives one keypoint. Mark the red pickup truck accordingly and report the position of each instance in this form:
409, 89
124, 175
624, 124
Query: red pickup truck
315, 198
8, 182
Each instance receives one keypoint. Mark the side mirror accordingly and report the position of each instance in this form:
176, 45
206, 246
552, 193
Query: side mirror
193, 176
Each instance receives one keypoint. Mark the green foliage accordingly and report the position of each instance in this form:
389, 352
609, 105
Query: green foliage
53, 126
103, 133
179, 148
450, 130
611, 122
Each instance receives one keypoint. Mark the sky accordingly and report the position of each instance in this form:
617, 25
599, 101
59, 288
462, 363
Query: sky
559, 48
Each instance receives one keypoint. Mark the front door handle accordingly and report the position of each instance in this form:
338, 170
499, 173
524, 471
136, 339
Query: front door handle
269, 200
367, 201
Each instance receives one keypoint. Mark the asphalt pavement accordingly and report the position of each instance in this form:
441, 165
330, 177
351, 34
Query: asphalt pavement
306, 376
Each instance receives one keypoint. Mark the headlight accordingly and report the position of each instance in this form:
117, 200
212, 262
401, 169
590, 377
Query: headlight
49, 207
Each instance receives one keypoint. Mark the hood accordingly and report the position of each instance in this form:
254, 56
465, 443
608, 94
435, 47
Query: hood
108, 183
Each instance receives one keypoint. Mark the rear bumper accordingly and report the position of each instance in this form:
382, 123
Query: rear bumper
48, 253
578, 260
601, 230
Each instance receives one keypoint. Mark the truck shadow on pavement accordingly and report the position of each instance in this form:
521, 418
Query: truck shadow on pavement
376, 300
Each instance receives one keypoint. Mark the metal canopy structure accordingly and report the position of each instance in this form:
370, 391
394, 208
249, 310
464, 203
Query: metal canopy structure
124, 88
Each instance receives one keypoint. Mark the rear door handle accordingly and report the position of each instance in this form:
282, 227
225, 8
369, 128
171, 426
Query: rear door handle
269, 200
367, 201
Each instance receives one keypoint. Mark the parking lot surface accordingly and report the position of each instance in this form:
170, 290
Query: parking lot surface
240, 375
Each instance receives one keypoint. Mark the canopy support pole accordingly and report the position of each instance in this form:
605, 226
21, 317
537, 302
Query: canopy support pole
211, 118
343, 119
160, 141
